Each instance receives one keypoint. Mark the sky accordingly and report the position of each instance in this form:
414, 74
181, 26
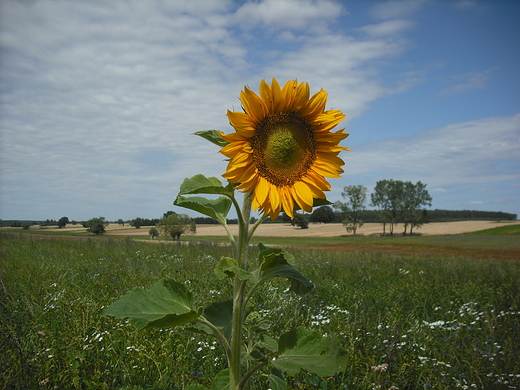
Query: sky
99, 100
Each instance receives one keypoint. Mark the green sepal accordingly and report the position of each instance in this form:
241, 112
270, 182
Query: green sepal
220, 314
309, 350
275, 262
215, 208
200, 184
167, 303
212, 136
221, 381
227, 267
316, 202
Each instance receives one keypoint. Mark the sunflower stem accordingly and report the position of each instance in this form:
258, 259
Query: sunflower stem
235, 361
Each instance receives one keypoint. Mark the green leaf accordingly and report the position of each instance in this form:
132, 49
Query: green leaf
275, 262
299, 283
200, 184
227, 267
221, 381
220, 314
214, 208
212, 136
273, 257
165, 304
276, 380
269, 343
307, 349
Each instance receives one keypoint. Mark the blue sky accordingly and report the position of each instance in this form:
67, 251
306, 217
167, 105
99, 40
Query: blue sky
99, 99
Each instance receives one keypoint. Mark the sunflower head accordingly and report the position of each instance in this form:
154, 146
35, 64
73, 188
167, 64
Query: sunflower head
283, 148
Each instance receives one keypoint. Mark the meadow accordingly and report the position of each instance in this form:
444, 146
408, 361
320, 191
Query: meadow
408, 319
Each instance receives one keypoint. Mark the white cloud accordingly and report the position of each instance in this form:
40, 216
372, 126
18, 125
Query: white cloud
476, 152
475, 202
468, 81
287, 14
387, 28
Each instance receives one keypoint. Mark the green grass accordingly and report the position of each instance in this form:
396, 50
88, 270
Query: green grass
498, 231
438, 322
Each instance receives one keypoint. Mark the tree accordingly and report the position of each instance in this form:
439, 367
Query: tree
356, 198
174, 225
323, 214
63, 221
300, 220
120, 222
96, 225
137, 223
414, 197
387, 197
153, 233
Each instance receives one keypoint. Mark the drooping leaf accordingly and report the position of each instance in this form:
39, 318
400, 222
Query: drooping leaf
167, 303
212, 136
221, 381
275, 262
200, 184
214, 208
272, 257
220, 314
227, 267
307, 349
299, 283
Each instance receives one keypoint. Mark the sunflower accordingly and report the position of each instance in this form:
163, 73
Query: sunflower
283, 148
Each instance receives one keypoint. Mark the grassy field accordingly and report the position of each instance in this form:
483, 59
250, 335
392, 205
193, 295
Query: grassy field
440, 315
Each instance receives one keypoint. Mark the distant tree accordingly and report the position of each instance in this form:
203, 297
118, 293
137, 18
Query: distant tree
153, 233
300, 220
120, 222
174, 225
323, 214
356, 196
62, 222
74, 222
26, 225
96, 225
137, 223
414, 197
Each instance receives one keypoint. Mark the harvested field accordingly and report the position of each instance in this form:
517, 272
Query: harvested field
328, 230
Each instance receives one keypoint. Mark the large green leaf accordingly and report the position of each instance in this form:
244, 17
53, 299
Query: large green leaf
227, 267
221, 381
165, 304
200, 184
214, 208
276, 262
212, 136
307, 349
220, 314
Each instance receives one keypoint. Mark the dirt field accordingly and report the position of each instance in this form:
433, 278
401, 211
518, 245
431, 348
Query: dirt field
323, 230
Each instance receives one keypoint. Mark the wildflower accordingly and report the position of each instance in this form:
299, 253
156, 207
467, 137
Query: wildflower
283, 147
381, 367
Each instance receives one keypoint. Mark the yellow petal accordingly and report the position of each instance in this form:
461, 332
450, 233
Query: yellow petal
253, 105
